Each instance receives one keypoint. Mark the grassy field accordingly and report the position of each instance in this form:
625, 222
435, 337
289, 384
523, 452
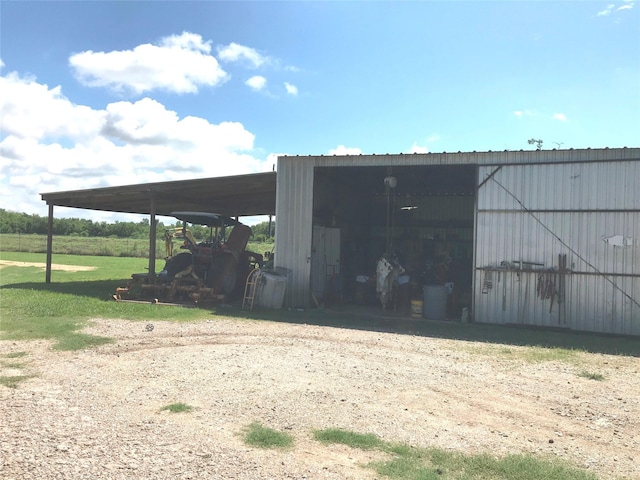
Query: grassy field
112, 247
31, 309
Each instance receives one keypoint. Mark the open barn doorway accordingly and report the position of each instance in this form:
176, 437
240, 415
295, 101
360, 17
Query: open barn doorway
421, 215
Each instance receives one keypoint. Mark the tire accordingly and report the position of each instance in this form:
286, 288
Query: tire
223, 274
177, 264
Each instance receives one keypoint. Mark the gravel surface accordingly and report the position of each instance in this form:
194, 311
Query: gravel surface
96, 413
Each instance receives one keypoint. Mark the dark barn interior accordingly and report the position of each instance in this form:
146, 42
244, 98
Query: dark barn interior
423, 216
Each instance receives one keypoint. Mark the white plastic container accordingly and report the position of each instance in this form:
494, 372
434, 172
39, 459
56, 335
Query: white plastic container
270, 290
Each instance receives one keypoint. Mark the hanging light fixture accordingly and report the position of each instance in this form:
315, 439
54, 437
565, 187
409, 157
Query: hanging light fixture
390, 183
408, 204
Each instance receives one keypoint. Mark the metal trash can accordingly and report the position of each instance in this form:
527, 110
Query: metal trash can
435, 302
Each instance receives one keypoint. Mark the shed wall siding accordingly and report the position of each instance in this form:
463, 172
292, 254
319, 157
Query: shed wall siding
294, 214
567, 186
591, 213
582, 203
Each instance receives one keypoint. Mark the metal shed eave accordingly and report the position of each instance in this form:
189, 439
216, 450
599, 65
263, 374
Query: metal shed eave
239, 195
233, 196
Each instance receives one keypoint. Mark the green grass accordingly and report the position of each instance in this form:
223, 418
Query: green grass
13, 365
531, 354
177, 408
14, 355
96, 246
76, 245
363, 441
543, 354
12, 381
30, 309
10, 361
409, 463
591, 375
259, 436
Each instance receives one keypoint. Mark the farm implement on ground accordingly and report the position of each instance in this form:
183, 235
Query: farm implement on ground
200, 273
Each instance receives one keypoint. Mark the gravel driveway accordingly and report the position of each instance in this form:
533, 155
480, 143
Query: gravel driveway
96, 413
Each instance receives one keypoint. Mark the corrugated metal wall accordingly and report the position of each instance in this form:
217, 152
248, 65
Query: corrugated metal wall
587, 206
294, 214
589, 212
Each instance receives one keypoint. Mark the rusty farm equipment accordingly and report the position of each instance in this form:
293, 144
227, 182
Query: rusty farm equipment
198, 273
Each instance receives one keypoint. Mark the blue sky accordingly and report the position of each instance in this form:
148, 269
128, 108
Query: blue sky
95, 94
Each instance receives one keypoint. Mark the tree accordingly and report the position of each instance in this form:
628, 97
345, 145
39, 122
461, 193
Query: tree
536, 142
261, 231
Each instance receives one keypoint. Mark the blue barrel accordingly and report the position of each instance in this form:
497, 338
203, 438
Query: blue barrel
435, 302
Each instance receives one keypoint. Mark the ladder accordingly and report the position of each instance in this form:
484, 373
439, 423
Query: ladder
250, 289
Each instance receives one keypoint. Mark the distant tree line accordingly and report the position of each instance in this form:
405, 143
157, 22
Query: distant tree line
23, 223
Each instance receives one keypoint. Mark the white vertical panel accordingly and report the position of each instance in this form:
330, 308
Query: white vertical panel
294, 214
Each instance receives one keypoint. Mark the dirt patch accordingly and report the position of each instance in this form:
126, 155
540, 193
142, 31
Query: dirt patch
54, 266
96, 413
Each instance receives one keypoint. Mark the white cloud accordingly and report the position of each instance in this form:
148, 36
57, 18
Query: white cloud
180, 64
415, 148
148, 122
33, 110
532, 113
610, 8
257, 82
50, 144
291, 89
186, 41
342, 150
524, 113
239, 53
607, 11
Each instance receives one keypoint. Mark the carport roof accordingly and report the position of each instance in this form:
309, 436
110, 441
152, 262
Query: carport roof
239, 195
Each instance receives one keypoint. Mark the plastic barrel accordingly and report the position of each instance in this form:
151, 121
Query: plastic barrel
435, 302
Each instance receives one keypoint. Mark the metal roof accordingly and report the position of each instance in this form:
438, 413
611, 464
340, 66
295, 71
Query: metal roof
205, 218
506, 157
239, 195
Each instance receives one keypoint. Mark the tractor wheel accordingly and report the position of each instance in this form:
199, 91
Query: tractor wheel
222, 275
177, 264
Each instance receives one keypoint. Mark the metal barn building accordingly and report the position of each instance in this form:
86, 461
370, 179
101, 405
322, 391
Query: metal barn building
543, 238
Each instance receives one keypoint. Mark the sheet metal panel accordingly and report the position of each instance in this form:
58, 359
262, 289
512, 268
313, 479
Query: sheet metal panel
294, 213
607, 242
588, 212
591, 302
569, 186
